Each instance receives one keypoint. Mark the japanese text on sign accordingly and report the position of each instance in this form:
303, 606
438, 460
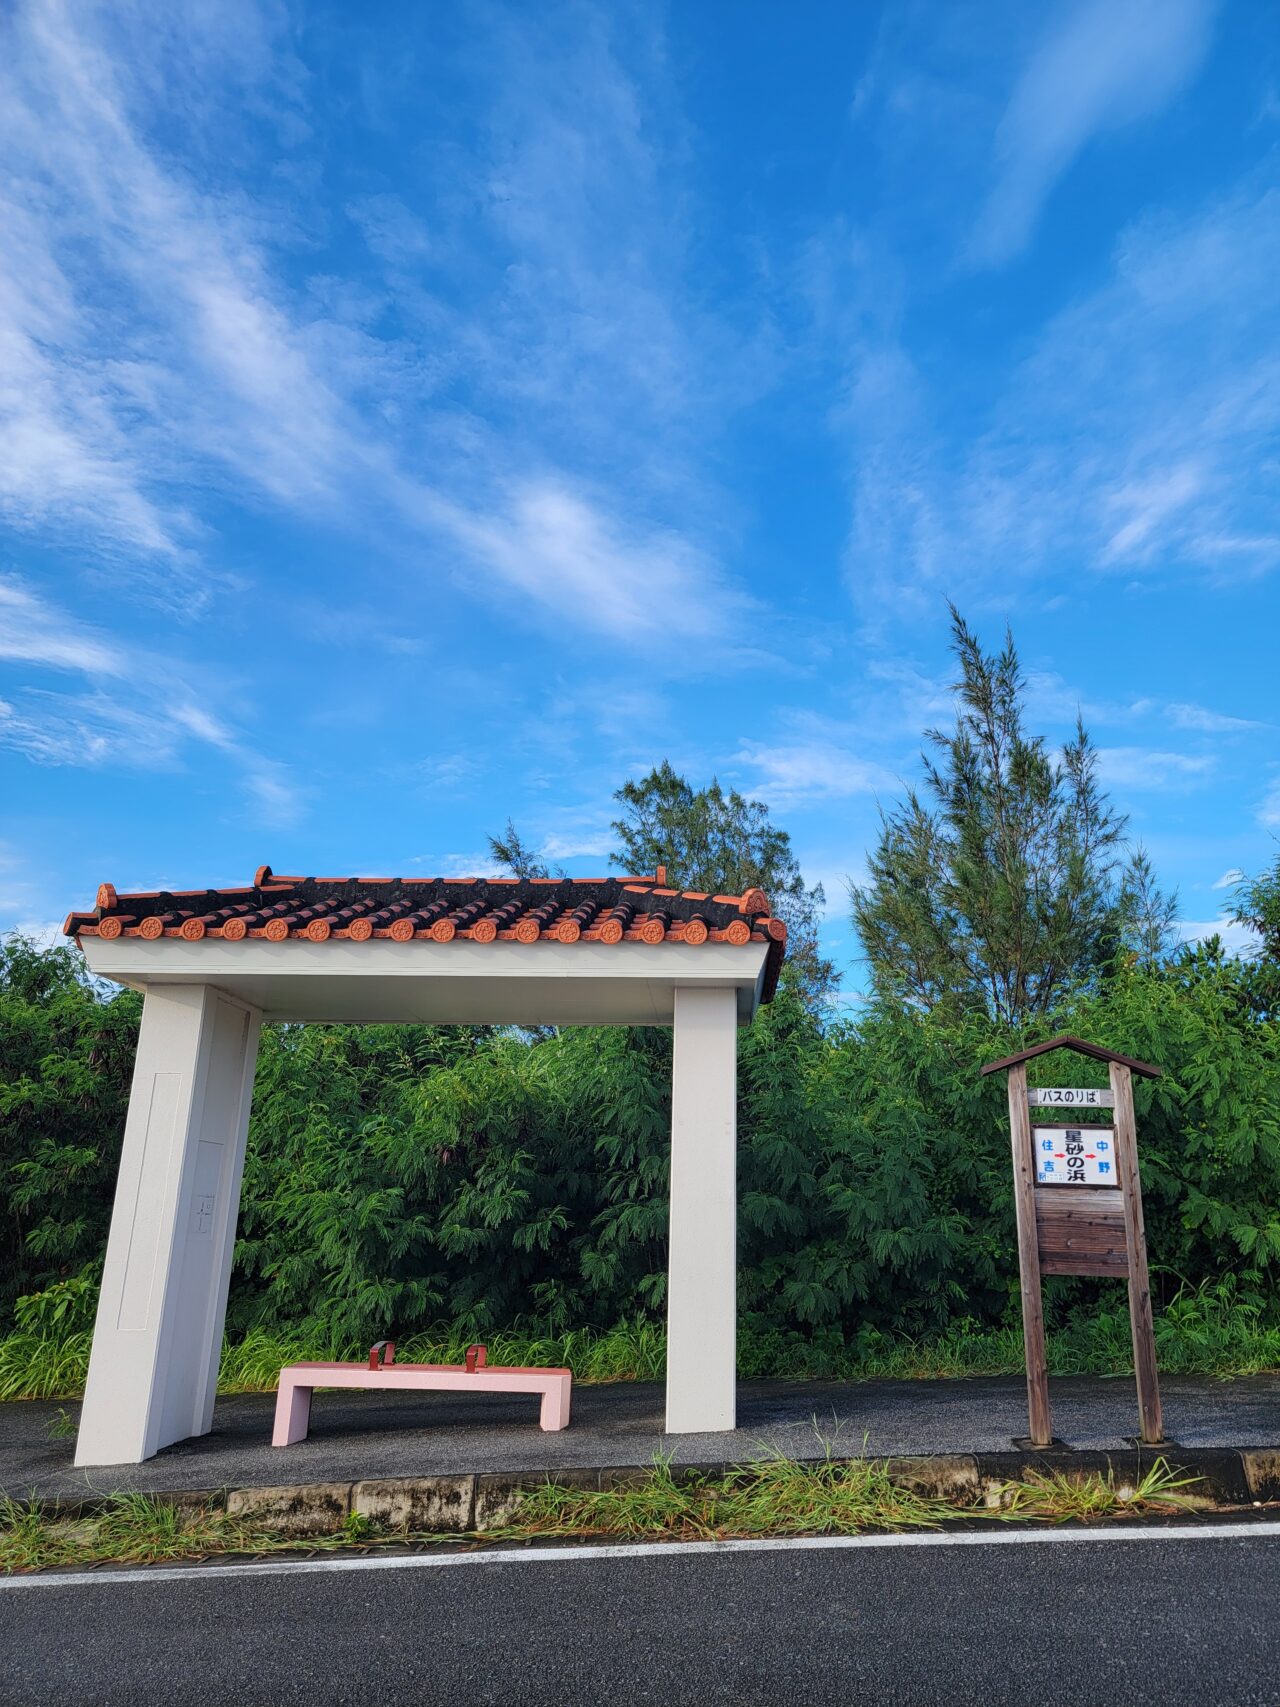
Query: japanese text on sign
1069, 1155
1063, 1098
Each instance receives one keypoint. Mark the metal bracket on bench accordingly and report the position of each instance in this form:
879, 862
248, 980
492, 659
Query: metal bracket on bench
477, 1357
388, 1350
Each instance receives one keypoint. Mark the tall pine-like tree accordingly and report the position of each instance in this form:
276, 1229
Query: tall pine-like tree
513, 852
709, 840
1004, 881
724, 844
1258, 906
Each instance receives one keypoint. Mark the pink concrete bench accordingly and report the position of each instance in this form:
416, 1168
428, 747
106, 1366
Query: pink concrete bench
299, 1380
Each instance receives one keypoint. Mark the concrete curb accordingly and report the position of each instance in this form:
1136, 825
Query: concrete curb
458, 1505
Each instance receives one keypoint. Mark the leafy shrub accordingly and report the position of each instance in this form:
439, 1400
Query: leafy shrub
399, 1177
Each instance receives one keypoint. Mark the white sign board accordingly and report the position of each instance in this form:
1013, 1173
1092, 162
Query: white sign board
1075, 1155
1070, 1099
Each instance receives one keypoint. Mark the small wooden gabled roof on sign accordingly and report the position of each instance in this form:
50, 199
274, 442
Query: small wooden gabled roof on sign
1094, 1051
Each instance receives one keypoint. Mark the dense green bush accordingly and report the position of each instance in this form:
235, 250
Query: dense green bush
66, 1057
400, 1177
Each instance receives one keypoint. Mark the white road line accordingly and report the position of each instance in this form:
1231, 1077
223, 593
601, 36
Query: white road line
654, 1550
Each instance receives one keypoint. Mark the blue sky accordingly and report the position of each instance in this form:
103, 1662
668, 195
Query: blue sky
413, 417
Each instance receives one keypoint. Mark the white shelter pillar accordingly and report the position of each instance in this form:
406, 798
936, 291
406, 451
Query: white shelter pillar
702, 1273
153, 1370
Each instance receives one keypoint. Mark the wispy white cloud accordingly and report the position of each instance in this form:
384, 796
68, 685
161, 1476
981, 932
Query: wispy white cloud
1229, 879
132, 710
444, 773
585, 843
16, 889
1269, 808
837, 880
593, 334
634, 582
1144, 769
1236, 939
1135, 436
392, 230
198, 721
1102, 65
1149, 403
23, 907
1142, 507
281, 802
459, 864
912, 700
140, 326
31, 632
45, 933
1211, 722
789, 771
583, 834
92, 729
156, 349
1051, 697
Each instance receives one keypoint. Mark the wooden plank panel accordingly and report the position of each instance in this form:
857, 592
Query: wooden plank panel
1096, 1237
1089, 1242
1102, 1267
1079, 1254
1082, 1232
1095, 1200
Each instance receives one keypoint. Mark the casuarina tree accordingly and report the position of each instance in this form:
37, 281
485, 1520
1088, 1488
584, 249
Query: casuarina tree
1004, 881
514, 853
721, 842
1258, 907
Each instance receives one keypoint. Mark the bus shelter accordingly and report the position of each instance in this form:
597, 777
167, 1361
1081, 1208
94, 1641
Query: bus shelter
214, 964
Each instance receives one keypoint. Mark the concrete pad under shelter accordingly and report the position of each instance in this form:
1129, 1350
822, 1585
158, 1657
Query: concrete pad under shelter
371, 1438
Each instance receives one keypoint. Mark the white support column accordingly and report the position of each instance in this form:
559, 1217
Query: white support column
154, 1366
702, 1272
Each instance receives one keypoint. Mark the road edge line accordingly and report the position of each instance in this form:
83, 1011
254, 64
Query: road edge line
655, 1550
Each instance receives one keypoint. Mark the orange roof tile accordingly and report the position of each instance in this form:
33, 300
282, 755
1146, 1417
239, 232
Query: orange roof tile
440, 909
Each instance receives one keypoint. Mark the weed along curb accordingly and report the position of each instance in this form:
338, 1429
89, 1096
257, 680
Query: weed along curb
475, 1504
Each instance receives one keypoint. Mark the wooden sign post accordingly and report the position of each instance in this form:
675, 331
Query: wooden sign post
1079, 1207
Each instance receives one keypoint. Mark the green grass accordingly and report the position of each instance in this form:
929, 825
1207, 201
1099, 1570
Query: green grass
47, 1366
134, 1529
1056, 1496
780, 1496
775, 1497
635, 1351
1206, 1330
43, 1365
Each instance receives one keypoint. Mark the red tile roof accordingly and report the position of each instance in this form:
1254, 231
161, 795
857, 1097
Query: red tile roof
417, 909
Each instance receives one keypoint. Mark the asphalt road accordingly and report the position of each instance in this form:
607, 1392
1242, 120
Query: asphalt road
1115, 1622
